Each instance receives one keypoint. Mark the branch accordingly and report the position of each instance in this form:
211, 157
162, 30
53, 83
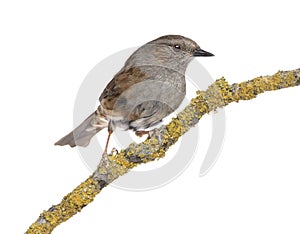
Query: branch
116, 164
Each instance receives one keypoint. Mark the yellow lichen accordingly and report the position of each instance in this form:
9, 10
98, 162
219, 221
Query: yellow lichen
69, 206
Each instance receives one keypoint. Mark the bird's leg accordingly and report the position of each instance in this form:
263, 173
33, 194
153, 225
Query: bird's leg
142, 133
108, 137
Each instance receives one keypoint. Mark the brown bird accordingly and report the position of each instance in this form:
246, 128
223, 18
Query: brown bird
149, 87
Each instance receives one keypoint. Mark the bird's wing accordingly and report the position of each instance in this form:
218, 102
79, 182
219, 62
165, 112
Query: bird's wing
121, 82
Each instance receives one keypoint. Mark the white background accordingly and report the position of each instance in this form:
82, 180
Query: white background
46, 50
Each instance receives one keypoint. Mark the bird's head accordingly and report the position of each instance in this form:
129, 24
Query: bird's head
173, 51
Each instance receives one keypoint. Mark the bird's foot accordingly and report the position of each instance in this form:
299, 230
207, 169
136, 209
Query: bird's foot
142, 133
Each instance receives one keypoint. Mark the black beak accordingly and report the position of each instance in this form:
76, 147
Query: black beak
200, 52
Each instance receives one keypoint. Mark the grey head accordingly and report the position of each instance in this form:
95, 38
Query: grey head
172, 51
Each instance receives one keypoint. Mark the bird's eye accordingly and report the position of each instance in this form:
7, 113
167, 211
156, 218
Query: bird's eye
177, 47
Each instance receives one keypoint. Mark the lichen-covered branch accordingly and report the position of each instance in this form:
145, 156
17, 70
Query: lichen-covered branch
114, 165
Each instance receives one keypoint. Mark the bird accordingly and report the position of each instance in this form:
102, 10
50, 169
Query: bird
150, 86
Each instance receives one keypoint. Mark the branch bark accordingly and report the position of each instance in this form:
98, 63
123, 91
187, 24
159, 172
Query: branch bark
116, 164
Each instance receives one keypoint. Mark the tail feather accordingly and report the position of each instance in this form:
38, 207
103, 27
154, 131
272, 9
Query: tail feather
82, 135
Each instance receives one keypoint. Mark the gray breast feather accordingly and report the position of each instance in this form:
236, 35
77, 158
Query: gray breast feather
150, 106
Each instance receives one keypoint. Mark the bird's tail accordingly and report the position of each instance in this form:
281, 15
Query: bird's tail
82, 135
